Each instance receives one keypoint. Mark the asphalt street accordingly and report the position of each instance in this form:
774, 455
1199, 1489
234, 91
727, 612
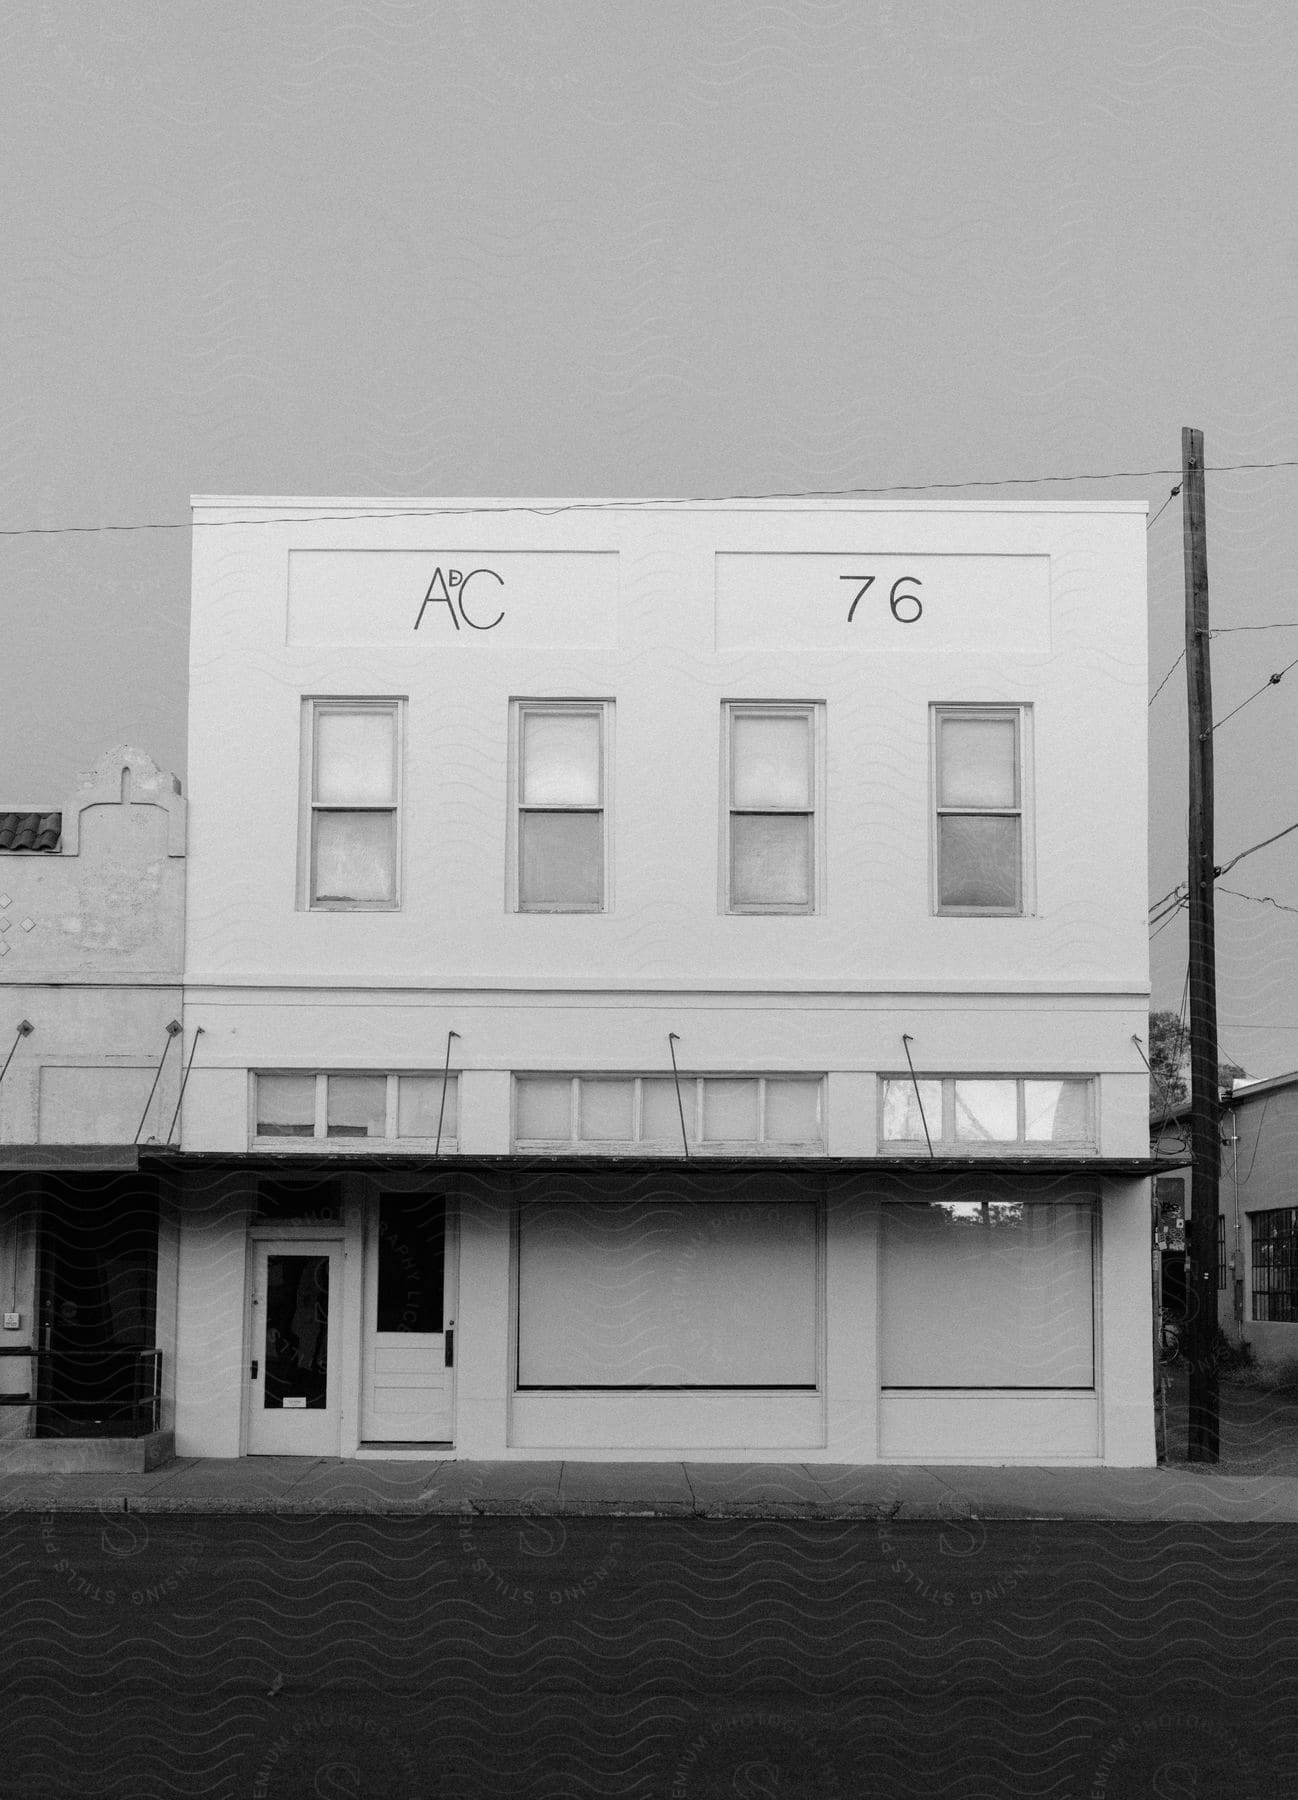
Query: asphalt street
659, 1659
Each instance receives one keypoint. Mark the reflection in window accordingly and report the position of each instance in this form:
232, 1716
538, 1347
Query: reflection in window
964, 1114
987, 1112
987, 1293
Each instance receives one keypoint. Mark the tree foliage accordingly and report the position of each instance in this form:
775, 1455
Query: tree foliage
1169, 1049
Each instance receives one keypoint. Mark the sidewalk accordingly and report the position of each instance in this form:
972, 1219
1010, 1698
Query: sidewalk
815, 1491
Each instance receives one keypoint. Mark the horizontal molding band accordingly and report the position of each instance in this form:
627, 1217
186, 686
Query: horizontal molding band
209, 990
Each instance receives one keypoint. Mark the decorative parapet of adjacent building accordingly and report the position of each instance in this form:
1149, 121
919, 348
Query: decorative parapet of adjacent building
104, 898
91, 946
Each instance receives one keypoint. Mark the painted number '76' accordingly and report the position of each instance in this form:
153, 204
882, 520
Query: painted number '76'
896, 598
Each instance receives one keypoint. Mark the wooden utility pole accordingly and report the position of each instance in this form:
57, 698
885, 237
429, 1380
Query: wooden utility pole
1205, 1097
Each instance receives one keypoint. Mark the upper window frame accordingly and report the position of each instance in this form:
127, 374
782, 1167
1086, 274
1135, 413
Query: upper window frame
814, 712
692, 1101
1021, 713
321, 1141
314, 707
948, 1141
519, 709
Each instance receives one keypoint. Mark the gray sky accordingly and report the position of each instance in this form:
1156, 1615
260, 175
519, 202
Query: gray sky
723, 247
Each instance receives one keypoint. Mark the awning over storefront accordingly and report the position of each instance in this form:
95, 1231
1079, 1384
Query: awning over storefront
1120, 1167
893, 1178
35, 1158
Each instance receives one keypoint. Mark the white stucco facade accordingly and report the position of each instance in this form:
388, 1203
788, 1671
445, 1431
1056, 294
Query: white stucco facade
853, 635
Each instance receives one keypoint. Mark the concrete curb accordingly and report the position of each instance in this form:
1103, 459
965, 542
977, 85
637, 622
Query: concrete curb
903, 1512
804, 1493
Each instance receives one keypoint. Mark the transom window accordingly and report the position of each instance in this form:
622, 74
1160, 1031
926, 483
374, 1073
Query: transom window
608, 1113
771, 781
978, 784
352, 789
358, 1108
560, 778
965, 1114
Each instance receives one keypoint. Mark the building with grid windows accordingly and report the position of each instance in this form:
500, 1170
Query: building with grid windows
664, 980
1257, 1217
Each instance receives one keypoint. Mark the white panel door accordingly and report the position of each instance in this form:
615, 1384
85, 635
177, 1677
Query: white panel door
407, 1392
293, 1372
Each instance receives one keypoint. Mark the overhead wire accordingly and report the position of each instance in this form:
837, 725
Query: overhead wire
1256, 1141
1163, 508
1270, 682
1225, 868
1260, 899
1277, 625
1165, 922
343, 513
1163, 683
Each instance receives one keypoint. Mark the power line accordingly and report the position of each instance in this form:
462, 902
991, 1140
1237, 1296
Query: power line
1169, 895
1227, 867
1280, 625
1163, 508
1163, 683
1226, 631
1271, 681
1171, 913
1173, 897
345, 515
1261, 899
1258, 1139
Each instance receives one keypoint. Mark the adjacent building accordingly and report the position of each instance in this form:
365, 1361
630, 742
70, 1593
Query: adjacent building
1257, 1220
91, 942
662, 981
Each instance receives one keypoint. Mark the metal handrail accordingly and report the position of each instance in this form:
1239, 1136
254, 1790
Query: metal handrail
132, 1398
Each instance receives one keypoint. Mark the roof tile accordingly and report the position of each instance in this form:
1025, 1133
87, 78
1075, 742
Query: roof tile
30, 831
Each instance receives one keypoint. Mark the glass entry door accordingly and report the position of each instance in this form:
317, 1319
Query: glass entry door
293, 1353
407, 1391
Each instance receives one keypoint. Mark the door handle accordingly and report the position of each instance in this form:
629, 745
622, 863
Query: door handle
252, 1372
450, 1346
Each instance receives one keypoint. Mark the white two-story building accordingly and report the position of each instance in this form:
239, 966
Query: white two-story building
665, 980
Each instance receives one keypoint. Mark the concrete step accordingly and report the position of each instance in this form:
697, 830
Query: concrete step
73, 1456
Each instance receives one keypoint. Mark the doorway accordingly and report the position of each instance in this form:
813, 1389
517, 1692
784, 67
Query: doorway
97, 1365
293, 1374
407, 1387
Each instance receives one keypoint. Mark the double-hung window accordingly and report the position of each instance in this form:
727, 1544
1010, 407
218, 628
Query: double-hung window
352, 803
980, 840
771, 778
560, 813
